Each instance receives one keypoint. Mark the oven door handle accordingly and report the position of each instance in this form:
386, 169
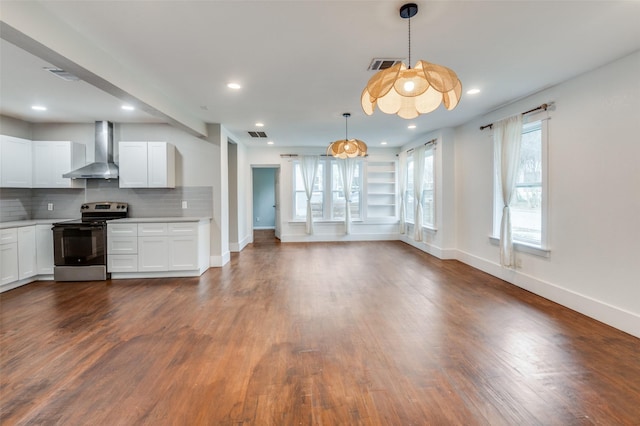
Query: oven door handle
81, 228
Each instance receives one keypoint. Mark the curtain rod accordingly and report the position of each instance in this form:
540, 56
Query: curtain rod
431, 142
543, 106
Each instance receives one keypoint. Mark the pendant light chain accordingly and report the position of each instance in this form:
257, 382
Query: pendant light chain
346, 127
409, 66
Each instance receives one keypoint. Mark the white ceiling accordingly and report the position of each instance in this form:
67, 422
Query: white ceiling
304, 63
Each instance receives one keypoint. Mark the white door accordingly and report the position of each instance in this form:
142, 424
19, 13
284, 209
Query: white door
153, 254
133, 165
8, 263
27, 262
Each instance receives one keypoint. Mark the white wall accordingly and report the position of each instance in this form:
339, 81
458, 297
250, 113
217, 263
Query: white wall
594, 196
441, 241
13, 127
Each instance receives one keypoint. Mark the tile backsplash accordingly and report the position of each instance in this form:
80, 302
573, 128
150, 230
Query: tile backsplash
15, 204
23, 204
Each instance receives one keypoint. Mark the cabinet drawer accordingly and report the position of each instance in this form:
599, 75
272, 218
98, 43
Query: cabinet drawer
182, 228
152, 229
122, 229
122, 263
122, 245
9, 235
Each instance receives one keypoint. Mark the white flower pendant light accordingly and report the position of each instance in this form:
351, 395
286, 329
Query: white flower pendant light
408, 91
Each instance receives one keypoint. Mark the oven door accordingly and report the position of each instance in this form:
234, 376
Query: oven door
79, 245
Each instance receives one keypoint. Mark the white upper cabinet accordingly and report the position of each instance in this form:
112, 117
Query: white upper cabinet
147, 165
15, 162
161, 165
53, 159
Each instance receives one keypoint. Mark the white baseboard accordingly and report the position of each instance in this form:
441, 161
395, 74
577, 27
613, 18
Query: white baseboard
337, 238
219, 261
433, 250
238, 247
260, 228
621, 319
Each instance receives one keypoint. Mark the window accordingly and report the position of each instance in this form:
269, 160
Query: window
300, 196
338, 201
528, 203
428, 191
327, 201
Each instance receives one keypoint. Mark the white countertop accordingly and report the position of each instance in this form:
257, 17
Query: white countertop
160, 219
22, 223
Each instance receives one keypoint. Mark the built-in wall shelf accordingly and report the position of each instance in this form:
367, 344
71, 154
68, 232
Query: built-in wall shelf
381, 190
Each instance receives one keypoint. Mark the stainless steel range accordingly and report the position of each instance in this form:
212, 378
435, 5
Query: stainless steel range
80, 246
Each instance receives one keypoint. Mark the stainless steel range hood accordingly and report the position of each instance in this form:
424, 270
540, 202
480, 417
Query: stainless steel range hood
103, 167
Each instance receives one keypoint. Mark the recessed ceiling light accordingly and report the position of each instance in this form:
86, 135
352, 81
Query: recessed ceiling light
270, 143
259, 124
127, 107
234, 86
411, 126
383, 143
39, 108
473, 91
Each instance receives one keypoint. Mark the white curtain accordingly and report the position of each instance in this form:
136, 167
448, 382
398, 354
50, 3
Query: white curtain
347, 168
402, 188
507, 135
309, 167
418, 187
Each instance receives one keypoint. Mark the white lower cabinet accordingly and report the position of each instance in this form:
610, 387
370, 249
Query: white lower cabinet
44, 249
25, 253
8, 255
27, 263
183, 253
153, 254
122, 263
122, 247
183, 246
154, 248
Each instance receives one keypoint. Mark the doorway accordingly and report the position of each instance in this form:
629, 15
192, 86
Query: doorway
266, 209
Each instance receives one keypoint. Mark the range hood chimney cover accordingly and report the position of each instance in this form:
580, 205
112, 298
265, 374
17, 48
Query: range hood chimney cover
103, 167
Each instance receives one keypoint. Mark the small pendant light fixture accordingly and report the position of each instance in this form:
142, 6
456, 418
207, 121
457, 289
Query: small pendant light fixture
346, 147
408, 91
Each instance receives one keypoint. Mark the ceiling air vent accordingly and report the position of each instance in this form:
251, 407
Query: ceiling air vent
65, 75
378, 64
257, 134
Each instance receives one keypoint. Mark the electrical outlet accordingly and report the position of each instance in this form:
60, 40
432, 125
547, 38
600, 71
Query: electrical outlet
50, 206
184, 204
258, 219
518, 263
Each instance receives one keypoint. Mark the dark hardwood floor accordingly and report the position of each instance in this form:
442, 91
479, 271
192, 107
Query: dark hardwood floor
371, 333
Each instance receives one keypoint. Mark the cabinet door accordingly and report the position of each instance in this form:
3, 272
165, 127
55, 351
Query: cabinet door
133, 165
122, 229
183, 253
27, 263
8, 263
44, 249
15, 162
42, 164
153, 254
122, 263
52, 159
161, 165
